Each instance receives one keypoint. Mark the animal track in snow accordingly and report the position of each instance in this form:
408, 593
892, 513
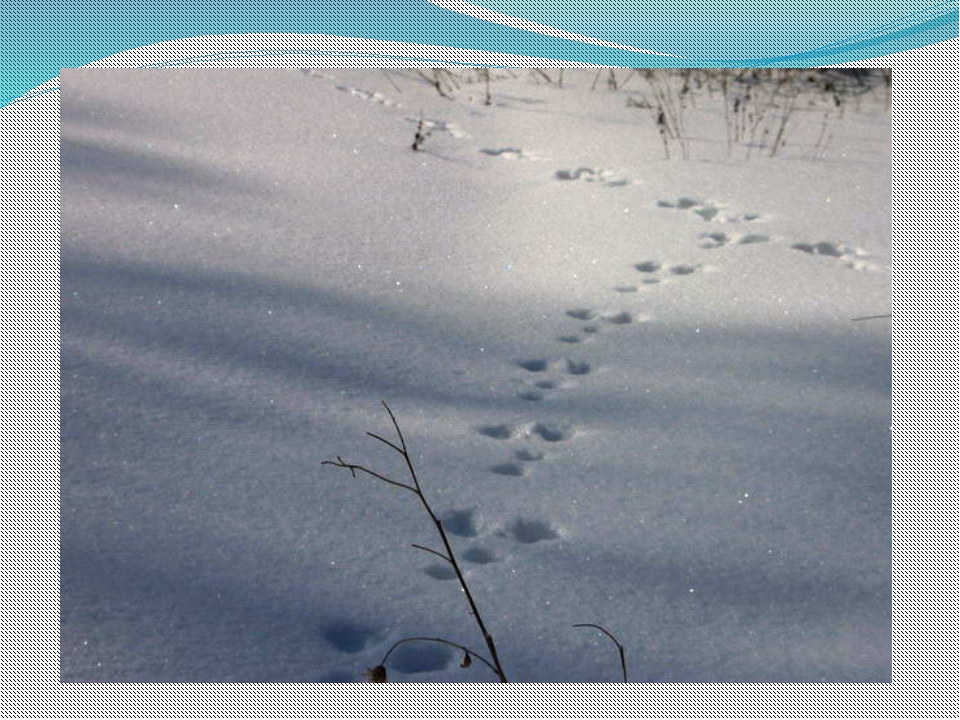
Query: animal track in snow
350, 637
708, 211
852, 257
594, 175
621, 317
579, 367
549, 432
421, 657
511, 154
721, 239
373, 97
441, 571
510, 469
655, 270
552, 432
481, 556
529, 455
531, 395
683, 269
539, 365
498, 432
683, 203
618, 318
535, 365
548, 384
699, 207
529, 531
461, 522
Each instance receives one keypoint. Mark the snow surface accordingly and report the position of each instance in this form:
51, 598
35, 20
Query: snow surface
632, 386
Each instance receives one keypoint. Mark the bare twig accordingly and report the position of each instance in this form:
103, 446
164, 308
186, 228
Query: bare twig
432, 552
870, 317
421, 135
448, 554
384, 441
354, 469
543, 73
623, 658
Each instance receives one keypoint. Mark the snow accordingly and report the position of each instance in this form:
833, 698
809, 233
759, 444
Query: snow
631, 385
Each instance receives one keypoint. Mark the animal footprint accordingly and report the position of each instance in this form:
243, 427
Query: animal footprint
595, 175
721, 239
510, 154
536, 365
696, 206
529, 531
618, 318
421, 657
612, 318
683, 203
852, 257
481, 556
579, 367
540, 365
509, 469
441, 571
587, 174
708, 211
655, 269
374, 97
529, 455
350, 637
531, 395
461, 522
498, 432
552, 432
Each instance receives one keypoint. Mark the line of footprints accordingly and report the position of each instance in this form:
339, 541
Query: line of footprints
543, 376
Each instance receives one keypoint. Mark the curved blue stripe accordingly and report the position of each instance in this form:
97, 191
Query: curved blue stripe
948, 21
900, 23
38, 37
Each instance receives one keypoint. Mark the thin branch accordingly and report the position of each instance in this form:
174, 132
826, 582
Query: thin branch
360, 468
448, 554
434, 552
385, 442
468, 651
396, 426
623, 659
869, 317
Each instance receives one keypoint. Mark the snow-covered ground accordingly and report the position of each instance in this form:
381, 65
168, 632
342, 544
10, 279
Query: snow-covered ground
631, 385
